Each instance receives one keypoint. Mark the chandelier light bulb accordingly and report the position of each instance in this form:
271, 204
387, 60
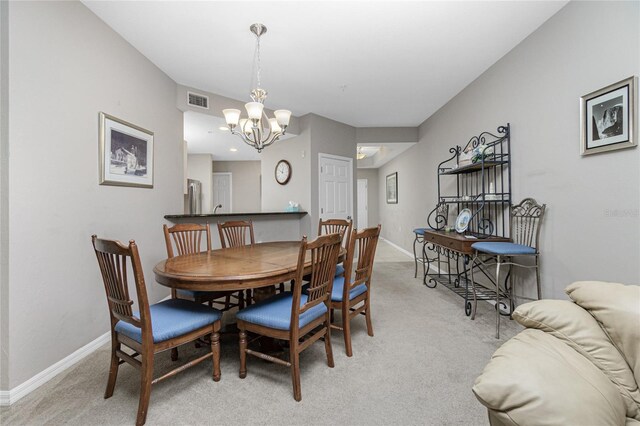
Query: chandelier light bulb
254, 110
283, 116
231, 116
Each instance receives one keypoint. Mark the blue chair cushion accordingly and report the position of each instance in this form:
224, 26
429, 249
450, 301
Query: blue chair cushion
172, 318
339, 270
338, 287
503, 249
275, 312
420, 231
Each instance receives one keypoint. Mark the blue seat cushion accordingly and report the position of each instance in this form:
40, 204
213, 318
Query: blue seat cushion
172, 318
505, 249
338, 288
275, 312
420, 231
339, 270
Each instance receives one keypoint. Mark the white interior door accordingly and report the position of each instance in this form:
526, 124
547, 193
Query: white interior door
222, 192
363, 204
336, 183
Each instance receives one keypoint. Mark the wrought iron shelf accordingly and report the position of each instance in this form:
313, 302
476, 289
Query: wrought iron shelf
477, 201
472, 167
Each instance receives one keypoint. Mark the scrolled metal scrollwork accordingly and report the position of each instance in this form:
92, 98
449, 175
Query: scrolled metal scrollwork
485, 226
438, 217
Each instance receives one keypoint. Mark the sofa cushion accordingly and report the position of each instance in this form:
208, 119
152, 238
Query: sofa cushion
577, 328
536, 379
617, 308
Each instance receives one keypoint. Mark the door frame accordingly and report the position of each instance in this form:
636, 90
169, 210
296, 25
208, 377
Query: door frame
230, 188
322, 156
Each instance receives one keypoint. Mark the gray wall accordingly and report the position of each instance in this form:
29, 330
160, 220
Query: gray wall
335, 138
297, 152
4, 190
372, 194
245, 183
66, 65
592, 226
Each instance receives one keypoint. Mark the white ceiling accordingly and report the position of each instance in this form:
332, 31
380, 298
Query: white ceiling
367, 64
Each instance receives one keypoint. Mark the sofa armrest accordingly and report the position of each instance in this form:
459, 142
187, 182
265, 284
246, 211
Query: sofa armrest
535, 379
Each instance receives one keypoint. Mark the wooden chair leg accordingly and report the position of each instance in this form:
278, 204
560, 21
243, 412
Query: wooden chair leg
243, 354
327, 342
215, 353
113, 369
174, 354
367, 315
294, 358
249, 299
145, 387
240, 300
346, 326
281, 287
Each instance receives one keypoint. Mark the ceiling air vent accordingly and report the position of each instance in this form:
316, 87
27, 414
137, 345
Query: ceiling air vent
196, 100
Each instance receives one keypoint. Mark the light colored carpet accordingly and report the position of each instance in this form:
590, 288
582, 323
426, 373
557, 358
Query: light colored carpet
418, 369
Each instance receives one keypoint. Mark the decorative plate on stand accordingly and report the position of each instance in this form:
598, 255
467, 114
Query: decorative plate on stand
462, 221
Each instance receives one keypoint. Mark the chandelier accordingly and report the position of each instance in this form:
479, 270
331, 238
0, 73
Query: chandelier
258, 130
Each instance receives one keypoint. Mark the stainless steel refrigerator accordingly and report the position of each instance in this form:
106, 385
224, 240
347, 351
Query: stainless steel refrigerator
194, 196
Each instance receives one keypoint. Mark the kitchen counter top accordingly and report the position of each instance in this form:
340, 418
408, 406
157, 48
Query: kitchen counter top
212, 215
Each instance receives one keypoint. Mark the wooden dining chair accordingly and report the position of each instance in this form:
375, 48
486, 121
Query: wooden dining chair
155, 328
300, 319
352, 292
187, 239
337, 226
234, 233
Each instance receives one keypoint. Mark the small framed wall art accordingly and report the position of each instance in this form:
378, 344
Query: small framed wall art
392, 188
126, 153
607, 118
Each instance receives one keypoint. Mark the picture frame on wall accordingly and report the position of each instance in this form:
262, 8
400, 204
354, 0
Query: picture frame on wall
392, 188
608, 118
125, 153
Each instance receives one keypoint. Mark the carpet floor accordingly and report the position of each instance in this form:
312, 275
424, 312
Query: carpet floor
418, 369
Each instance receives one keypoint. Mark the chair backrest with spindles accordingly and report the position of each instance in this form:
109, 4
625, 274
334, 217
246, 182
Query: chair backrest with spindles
526, 218
364, 242
323, 252
234, 233
112, 259
333, 226
187, 238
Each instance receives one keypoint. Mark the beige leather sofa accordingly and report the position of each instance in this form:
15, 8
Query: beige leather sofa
577, 363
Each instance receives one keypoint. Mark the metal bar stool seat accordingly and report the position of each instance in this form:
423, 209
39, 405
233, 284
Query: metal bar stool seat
526, 218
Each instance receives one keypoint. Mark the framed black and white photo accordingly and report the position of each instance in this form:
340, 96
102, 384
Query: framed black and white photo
126, 153
608, 118
392, 188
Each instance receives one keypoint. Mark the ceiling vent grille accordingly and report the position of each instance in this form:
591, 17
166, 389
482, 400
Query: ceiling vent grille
196, 100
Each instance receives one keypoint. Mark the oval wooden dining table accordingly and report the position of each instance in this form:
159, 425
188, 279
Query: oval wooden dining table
238, 268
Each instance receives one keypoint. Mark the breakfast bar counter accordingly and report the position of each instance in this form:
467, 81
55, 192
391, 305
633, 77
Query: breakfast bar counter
267, 225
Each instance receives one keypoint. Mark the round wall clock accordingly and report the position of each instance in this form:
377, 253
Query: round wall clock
283, 172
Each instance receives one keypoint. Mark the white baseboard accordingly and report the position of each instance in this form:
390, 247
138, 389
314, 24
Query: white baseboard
397, 247
11, 396
15, 394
